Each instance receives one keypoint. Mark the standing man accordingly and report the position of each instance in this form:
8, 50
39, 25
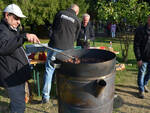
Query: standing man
66, 27
14, 65
142, 54
86, 33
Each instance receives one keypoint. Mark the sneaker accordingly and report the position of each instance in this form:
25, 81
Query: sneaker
141, 95
44, 101
146, 89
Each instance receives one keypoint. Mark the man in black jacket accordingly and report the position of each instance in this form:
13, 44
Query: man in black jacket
142, 54
14, 65
66, 27
86, 33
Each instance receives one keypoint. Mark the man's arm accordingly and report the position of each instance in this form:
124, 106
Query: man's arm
137, 43
92, 33
9, 44
78, 29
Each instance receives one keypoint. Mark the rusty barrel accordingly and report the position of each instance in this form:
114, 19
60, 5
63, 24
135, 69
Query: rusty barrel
86, 87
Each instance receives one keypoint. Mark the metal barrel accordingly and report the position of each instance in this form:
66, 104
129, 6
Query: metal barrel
86, 92
82, 96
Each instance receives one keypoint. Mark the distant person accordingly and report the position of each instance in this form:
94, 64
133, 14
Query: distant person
142, 54
14, 64
108, 29
65, 30
86, 33
113, 30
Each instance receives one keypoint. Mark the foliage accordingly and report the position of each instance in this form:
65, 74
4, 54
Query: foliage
40, 12
83, 6
125, 13
93, 9
2, 6
63, 4
128, 11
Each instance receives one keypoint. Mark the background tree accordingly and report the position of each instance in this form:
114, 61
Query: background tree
126, 13
83, 6
2, 6
40, 12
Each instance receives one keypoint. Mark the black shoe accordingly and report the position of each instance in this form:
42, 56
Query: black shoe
44, 101
141, 95
146, 89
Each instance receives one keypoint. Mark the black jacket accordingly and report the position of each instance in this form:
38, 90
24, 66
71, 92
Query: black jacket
87, 31
142, 44
66, 27
14, 66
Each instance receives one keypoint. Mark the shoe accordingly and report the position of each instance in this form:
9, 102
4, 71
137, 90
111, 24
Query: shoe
44, 101
141, 95
146, 89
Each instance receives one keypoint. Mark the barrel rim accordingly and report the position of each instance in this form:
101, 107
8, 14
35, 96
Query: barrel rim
89, 78
69, 51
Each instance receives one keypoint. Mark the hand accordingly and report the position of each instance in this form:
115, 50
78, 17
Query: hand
32, 38
139, 63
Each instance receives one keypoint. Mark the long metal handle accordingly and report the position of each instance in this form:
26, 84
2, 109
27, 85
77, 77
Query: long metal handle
57, 51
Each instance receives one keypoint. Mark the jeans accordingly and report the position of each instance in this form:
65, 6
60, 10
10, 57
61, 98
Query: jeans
113, 34
49, 71
143, 75
17, 98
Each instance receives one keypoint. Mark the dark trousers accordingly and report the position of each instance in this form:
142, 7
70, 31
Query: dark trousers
17, 98
83, 44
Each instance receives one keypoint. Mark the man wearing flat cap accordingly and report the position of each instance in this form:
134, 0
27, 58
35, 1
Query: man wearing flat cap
14, 64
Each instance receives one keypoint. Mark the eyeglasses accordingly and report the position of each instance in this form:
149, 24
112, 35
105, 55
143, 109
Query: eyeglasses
14, 16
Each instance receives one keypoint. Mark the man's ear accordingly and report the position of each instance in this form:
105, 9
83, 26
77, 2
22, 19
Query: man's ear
6, 15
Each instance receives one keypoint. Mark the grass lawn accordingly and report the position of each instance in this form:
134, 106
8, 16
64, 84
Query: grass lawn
126, 101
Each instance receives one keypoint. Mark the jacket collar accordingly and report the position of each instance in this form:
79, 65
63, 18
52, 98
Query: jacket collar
72, 11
